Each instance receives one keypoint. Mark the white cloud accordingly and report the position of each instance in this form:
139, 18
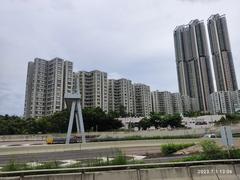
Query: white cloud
130, 39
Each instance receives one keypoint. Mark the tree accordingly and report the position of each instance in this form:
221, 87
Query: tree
94, 118
155, 120
144, 123
175, 120
58, 122
97, 120
211, 150
122, 111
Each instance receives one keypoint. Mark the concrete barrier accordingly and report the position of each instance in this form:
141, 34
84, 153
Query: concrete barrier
177, 132
226, 172
174, 173
9, 178
71, 176
203, 172
212, 172
33, 137
117, 175
237, 170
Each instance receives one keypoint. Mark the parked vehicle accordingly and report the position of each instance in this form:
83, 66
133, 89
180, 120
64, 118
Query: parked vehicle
210, 135
73, 139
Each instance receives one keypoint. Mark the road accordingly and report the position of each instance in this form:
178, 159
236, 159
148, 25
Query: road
41, 157
21, 143
90, 150
84, 155
92, 145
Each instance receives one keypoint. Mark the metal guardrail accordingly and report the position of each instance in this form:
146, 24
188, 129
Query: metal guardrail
116, 167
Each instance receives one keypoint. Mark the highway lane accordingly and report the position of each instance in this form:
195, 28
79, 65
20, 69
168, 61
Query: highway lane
77, 154
21, 143
86, 151
92, 145
42, 157
85, 155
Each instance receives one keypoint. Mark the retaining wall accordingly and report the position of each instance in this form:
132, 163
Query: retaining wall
206, 172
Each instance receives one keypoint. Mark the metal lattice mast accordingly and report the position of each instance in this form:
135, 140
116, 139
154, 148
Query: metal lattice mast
73, 102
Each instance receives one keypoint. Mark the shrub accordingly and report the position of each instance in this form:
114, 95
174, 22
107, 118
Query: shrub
168, 149
120, 159
198, 157
12, 166
211, 150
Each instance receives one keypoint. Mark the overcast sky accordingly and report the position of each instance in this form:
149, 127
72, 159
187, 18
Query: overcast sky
126, 38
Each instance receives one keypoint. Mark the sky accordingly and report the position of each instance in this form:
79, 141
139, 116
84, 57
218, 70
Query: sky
130, 39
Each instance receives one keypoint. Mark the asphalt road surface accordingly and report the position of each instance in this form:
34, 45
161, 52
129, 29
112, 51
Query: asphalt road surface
81, 155
41, 157
20, 143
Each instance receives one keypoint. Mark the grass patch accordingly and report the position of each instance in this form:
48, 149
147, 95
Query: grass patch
127, 138
211, 151
168, 149
120, 159
13, 166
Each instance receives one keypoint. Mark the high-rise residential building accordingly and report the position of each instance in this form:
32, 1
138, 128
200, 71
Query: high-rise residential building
186, 103
47, 81
155, 101
177, 103
221, 102
236, 100
162, 102
142, 100
67, 79
193, 64
111, 95
189, 104
121, 95
93, 89
167, 103
221, 53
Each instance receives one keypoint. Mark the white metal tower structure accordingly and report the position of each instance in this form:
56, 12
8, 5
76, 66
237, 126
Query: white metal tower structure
74, 104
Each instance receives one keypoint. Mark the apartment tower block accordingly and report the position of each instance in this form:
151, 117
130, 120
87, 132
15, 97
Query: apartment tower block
47, 81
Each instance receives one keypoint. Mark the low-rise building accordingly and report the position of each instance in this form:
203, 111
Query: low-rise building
206, 121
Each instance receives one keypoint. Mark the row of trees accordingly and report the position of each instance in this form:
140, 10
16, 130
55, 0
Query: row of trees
159, 120
95, 119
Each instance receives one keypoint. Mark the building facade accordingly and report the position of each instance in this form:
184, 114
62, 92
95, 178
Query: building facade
162, 102
177, 103
172, 103
142, 100
93, 89
225, 102
193, 64
221, 102
46, 84
111, 95
189, 104
121, 95
236, 100
221, 53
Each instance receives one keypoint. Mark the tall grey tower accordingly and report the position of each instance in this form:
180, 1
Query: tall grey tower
193, 64
221, 53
